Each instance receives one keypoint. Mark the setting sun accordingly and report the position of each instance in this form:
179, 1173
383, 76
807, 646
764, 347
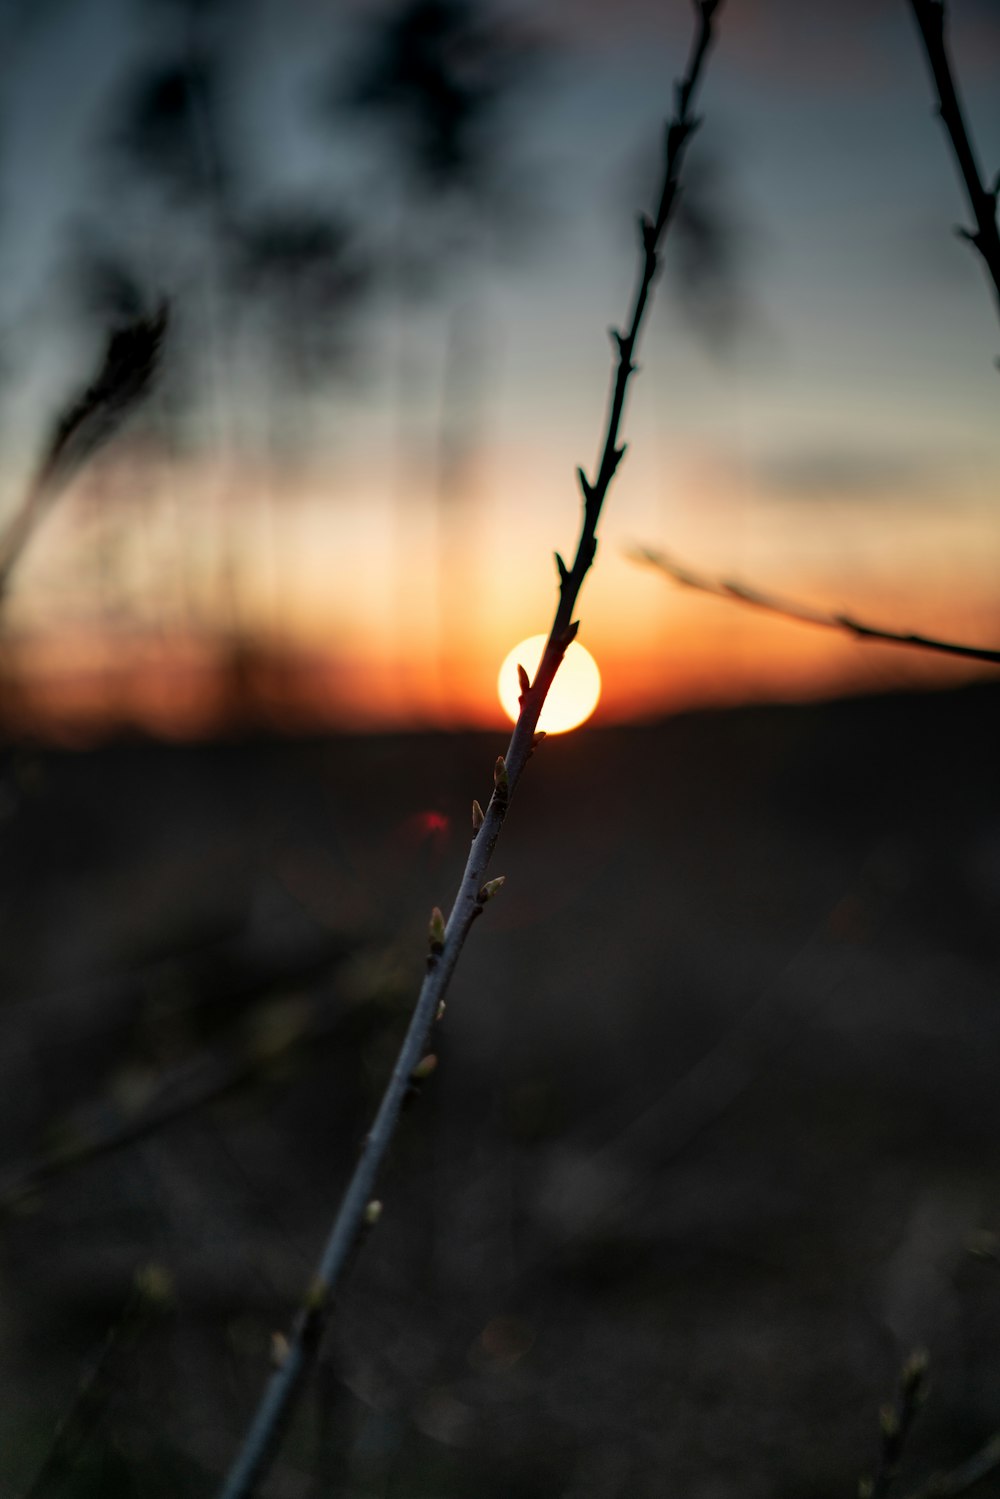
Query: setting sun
573, 695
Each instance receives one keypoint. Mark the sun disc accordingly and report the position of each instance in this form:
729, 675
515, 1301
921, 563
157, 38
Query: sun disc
573, 695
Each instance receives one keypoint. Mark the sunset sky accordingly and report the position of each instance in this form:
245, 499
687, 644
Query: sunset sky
817, 411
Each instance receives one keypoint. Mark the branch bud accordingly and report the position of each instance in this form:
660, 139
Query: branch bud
279, 1350
317, 1296
563, 571
571, 633
914, 1374
373, 1213
154, 1285
491, 888
888, 1421
586, 486
523, 682
424, 1068
435, 932
478, 816
500, 780
537, 738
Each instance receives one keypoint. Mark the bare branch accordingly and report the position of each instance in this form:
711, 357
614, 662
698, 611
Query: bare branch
930, 17
739, 593
895, 1420
350, 1221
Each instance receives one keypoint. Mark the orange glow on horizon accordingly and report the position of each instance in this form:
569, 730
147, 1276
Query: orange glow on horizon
330, 624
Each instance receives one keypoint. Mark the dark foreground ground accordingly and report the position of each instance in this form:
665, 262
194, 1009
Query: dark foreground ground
713, 1143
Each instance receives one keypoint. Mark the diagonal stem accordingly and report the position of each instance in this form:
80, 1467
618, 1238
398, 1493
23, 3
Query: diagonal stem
930, 17
357, 1208
739, 593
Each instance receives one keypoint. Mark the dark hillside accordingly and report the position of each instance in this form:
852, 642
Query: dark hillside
713, 1143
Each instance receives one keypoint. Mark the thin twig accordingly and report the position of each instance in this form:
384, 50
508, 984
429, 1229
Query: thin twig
739, 593
975, 1468
895, 1421
930, 17
151, 1295
103, 1126
447, 939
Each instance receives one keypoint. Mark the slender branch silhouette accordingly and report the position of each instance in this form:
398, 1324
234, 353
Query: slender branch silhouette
129, 364
358, 1208
930, 17
895, 1420
739, 593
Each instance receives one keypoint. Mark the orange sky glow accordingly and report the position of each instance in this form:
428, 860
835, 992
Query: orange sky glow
118, 620
292, 540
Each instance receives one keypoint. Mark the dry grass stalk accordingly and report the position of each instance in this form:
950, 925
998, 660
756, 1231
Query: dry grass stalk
130, 362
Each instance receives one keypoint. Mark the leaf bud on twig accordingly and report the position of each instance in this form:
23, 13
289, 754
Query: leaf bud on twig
435, 932
317, 1296
491, 888
500, 780
154, 1285
478, 816
888, 1420
523, 682
914, 1374
424, 1068
373, 1212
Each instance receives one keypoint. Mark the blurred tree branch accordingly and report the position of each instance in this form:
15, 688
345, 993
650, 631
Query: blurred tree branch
130, 362
358, 1209
150, 1297
739, 593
